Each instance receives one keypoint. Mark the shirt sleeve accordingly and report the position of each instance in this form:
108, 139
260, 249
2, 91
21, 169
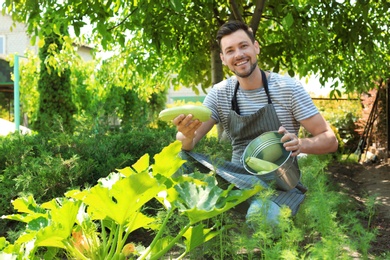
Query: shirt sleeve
211, 102
302, 104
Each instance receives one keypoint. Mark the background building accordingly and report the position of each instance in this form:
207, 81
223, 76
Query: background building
15, 40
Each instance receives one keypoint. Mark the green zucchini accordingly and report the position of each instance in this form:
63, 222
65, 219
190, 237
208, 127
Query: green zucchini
199, 112
260, 166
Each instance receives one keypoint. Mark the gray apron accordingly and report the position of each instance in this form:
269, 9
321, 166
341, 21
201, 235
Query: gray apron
242, 130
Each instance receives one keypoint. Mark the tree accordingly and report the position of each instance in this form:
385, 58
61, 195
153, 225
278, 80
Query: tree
56, 108
334, 39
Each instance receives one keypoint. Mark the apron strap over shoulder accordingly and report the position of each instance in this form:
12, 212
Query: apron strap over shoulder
234, 102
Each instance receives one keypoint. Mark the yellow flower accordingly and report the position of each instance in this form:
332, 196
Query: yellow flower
80, 242
128, 249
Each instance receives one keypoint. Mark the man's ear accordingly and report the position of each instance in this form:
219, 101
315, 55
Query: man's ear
222, 58
257, 46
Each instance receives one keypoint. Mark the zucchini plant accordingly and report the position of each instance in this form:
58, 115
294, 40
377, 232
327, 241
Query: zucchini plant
95, 223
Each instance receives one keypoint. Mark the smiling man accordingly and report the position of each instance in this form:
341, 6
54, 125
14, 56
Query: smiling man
249, 104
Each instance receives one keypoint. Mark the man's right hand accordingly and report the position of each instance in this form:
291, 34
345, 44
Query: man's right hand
186, 125
190, 131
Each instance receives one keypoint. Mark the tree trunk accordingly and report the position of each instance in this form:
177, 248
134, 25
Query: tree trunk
216, 75
216, 65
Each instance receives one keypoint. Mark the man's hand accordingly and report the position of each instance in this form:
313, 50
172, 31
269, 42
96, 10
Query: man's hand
186, 125
321, 141
290, 141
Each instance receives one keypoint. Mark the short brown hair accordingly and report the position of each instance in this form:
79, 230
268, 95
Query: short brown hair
231, 27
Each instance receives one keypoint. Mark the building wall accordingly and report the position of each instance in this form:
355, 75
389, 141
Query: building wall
15, 38
185, 94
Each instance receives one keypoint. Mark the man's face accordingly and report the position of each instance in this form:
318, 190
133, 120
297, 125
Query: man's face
239, 53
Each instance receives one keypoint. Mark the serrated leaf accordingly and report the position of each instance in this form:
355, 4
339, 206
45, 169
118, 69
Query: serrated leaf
168, 154
24, 218
124, 198
142, 164
37, 223
200, 202
63, 219
27, 205
137, 221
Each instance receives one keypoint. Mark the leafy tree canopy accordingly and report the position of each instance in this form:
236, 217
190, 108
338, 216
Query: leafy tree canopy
345, 40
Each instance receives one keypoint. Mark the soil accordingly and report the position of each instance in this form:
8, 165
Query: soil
361, 181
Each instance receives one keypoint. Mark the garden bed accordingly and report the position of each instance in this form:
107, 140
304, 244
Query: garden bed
361, 181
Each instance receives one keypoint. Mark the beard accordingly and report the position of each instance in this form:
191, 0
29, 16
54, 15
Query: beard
245, 75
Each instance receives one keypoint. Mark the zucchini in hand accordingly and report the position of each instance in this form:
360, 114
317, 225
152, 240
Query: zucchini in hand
201, 113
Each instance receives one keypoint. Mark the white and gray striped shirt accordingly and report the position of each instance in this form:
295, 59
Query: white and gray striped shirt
291, 101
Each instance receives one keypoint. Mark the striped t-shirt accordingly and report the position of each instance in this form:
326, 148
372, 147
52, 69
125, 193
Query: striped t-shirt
291, 101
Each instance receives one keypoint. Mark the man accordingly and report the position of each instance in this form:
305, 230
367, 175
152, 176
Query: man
251, 103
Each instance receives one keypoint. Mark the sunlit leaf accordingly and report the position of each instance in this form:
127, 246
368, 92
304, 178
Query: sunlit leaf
168, 154
26, 237
63, 219
206, 201
27, 205
142, 164
25, 218
195, 236
124, 198
3, 242
137, 221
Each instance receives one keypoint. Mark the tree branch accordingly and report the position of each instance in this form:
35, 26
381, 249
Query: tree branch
124, 19
257, 15
235, 10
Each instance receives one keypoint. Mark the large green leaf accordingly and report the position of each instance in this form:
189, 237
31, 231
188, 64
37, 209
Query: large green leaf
62, 220
141, 165
195, 236
199, 202
168, 161
123, 199
27, 205
137, 221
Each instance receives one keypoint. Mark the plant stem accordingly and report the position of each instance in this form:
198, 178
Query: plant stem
104, 237
157, 237
74, 251
114, 241
171, 244
109, 242
220, 239
119, 242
